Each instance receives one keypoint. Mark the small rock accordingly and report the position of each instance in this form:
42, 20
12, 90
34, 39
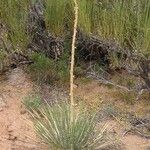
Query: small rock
75, 86
23, 111
12, 138
1, 109
10, 130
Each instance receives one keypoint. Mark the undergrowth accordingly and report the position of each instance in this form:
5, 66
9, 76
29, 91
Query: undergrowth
46, 70
125, 96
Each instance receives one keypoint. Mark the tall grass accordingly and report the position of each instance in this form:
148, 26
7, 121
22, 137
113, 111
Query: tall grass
119, 20
125, 22
13, 14
56, 14
141, 37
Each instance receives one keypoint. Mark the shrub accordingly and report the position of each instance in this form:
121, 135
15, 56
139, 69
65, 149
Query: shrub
42, 70
55, 128
62, 68
46, 70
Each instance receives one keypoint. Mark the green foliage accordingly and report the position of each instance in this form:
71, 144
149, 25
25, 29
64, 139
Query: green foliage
125, 22
55, 128
47, 70
62, 68
87, 16
56, 14
43, 68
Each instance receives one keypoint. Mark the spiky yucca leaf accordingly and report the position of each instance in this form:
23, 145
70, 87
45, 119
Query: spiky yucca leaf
53, 125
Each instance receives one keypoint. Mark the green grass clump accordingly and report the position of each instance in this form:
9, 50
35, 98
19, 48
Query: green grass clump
54, 127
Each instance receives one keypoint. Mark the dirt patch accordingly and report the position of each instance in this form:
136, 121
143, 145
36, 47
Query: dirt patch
133, 142
16, 131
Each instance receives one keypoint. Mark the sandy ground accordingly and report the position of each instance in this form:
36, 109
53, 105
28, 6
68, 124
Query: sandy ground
16, 131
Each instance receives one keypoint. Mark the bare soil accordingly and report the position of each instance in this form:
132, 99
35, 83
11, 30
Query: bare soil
16, 129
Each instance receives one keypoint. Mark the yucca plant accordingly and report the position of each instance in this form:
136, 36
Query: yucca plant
53, 125
64, 127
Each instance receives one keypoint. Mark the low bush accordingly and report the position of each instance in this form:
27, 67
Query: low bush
13, 15
45, 70
42, 70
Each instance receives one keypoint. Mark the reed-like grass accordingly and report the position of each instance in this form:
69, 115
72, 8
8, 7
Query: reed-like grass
13, 14
125, 22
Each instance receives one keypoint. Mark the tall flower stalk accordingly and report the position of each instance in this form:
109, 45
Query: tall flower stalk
73, 57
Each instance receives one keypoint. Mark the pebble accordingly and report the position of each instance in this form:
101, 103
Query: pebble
1, 109
12, 137
23, 111
10, 129
75, 86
